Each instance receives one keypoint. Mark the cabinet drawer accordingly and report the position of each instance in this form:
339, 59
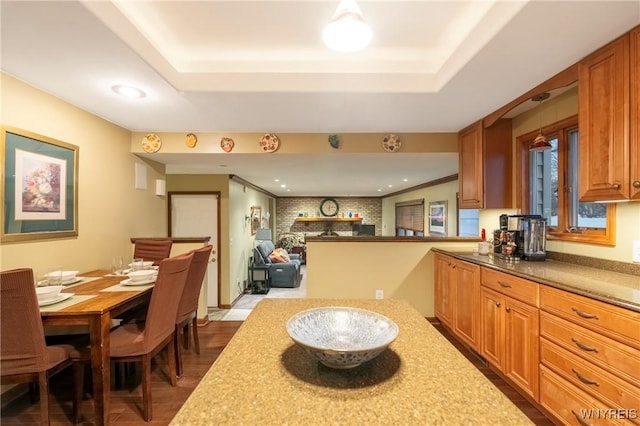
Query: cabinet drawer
590, 378
618, 323
612, 356
569, 404
518, 288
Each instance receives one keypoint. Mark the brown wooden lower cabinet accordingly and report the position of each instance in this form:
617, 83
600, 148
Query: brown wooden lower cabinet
576, 357
509, 338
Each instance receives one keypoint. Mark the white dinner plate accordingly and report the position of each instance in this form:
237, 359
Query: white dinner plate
57, 299
143, 282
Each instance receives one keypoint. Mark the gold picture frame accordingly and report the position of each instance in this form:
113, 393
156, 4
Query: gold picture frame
39, 187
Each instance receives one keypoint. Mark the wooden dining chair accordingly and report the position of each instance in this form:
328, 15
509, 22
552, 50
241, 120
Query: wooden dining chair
153, 249
25, 356
142, 341
187, 318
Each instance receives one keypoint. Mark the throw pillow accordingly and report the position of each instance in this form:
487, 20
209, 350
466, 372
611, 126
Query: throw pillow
275, 257
283, 254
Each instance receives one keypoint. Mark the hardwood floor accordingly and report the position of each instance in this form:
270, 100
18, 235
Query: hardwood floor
126, 403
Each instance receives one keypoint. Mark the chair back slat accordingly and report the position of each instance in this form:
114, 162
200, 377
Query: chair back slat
189, 300
22, 345
165, 298
155, 250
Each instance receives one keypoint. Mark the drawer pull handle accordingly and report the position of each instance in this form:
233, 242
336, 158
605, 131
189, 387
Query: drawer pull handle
584, 314
504, 285
579, 419
584, 379
583, 346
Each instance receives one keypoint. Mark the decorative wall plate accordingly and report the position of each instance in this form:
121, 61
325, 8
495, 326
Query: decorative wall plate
269, 142
391, 143
192, 140
227, 144
151, 143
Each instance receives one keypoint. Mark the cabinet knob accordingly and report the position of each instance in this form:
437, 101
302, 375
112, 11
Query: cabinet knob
498, 304
616, 186
636, 183
508, 309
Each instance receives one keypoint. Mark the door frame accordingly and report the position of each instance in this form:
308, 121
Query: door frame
216, 244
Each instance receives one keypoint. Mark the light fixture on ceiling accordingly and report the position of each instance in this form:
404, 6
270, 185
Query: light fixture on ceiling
128, 91
347, 31
540, 143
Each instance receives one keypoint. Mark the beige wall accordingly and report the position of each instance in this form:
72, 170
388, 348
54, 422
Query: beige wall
444, 192
355, 270
110, 210
242, 241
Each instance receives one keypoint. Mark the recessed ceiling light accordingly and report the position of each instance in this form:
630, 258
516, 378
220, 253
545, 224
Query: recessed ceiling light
405, 180
128, 91
379, 190
276, 180
283, 186
390, 186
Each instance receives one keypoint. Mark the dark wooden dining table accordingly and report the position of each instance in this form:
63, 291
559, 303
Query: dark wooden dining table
96, 312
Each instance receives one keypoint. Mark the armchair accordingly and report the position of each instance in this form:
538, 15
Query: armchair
281, 274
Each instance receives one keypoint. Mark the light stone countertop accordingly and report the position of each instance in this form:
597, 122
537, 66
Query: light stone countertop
263, 377
607, 286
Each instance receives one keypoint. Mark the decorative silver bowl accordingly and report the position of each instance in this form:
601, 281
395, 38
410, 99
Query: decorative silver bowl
342, 337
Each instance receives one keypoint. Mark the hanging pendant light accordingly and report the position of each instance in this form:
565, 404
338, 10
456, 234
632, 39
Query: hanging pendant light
540, 143
347, 31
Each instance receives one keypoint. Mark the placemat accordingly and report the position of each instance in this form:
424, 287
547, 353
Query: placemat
121, 287
66, 303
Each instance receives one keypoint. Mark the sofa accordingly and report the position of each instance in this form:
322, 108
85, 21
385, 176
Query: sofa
282, 273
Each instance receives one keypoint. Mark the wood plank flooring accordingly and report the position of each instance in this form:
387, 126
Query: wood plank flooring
126, 403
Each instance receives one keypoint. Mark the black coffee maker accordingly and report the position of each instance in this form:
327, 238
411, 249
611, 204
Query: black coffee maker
516, 236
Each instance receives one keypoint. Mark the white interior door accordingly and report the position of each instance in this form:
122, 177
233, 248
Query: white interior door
196, 215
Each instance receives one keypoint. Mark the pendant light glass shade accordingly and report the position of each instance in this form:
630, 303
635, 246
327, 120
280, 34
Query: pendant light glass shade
347, 31
540, 143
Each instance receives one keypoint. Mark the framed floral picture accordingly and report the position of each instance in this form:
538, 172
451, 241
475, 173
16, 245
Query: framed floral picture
438, 218
40, 187
256, 219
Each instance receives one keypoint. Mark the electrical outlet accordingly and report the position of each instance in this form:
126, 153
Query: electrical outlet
635, 252
379, 294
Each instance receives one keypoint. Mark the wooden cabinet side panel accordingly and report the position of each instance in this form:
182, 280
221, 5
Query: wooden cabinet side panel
470, 171
497, 165
634, 134
603, 88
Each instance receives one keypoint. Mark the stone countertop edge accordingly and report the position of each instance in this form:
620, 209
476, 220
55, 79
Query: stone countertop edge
263, 377
622, 290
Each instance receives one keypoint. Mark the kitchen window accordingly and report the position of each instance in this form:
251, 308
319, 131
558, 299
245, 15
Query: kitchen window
410, 218
549, 187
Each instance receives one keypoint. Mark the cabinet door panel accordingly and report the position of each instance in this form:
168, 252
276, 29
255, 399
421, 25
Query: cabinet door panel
603, 88
470, 170
521, 345
491, 326
467, 292
443, 289
634, 149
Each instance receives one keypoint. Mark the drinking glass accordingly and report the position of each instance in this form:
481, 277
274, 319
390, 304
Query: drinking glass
136, 265
54, 275
116, 265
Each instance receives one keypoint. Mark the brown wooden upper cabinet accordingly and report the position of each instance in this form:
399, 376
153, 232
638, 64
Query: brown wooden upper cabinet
609, 96
484, 172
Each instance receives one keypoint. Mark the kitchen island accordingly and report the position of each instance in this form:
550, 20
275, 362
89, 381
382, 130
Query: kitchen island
263, 377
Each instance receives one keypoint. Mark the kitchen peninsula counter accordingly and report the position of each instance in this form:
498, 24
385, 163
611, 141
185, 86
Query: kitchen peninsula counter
263, 377
607, 286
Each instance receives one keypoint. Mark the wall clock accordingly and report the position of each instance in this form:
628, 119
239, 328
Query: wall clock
329, 207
